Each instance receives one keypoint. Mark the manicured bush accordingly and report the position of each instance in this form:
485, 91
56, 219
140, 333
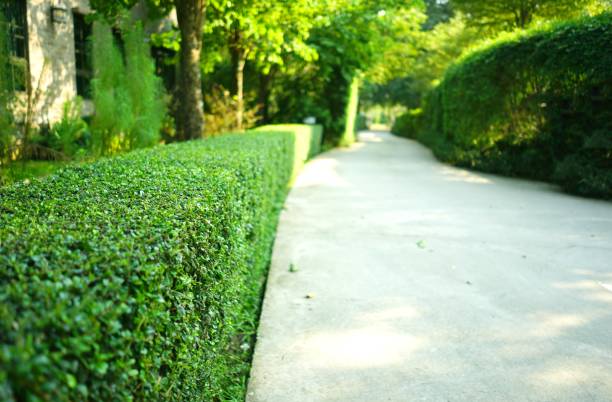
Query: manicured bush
140, 277
536, 104
307, 144
408, 124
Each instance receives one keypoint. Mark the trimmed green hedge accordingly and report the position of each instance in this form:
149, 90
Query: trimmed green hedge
537, 105
140, 277
308, 140
408, 124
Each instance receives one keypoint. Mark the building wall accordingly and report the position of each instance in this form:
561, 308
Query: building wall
52, 58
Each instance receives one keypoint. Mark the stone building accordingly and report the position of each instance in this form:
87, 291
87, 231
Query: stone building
51, 37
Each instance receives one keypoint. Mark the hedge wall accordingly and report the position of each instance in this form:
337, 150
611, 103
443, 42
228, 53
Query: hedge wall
308, 139
140, 277
537, 104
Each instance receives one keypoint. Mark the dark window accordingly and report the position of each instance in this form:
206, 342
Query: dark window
15, 13
164, 66
82, 52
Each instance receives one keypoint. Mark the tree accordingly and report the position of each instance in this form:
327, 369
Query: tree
438, 11
190, 114
190, 14
349, 36
260, 31
511, 14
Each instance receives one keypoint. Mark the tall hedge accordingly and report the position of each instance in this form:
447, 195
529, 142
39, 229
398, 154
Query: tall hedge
537, 104
140, 277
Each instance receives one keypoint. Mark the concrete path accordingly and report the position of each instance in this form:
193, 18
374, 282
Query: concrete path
416, 281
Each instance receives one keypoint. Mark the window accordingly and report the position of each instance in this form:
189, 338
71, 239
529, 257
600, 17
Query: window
84, 70
164, 67
15, 14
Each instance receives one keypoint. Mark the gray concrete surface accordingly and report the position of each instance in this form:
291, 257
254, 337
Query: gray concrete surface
417, 281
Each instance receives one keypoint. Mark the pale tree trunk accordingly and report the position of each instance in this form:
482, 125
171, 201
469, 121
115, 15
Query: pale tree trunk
239, 56
240, 91
190, 113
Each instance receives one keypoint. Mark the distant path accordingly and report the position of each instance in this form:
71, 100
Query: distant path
431, 283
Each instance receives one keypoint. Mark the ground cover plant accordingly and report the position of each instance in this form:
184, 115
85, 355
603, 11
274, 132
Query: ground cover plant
534, 104
140, 276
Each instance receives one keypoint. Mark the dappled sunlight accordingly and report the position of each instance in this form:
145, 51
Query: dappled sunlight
396, 313
321, 172
604, 296
368, 136
563, 376
598, 290
452, 174
361, 348
597, 287
549, 325
606, 286
353, 148
602, 276
578, 285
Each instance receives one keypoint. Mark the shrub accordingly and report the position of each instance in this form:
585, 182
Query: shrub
307, 143
128, 96
221, 109
408, 124
145, 89
361, 123
7, 128
139, 277
533, 105
68, 134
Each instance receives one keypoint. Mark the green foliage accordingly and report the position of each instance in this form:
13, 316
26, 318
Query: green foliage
144, 88
27, 170
417, 61
128, 97
111, 98
349, 37
139, 277
7, 128
535, 104
409, 124
264, 31
69, 134
307, 144
220, 113
437, 12
510, 14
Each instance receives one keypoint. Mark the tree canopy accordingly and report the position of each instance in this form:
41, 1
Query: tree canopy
509, 14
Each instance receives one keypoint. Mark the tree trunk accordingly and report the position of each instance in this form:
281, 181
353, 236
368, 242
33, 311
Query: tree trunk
190, 113
240, 90
265, 82
524, 14
238, 63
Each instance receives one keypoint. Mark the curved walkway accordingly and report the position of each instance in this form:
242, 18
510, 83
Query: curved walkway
397, 278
